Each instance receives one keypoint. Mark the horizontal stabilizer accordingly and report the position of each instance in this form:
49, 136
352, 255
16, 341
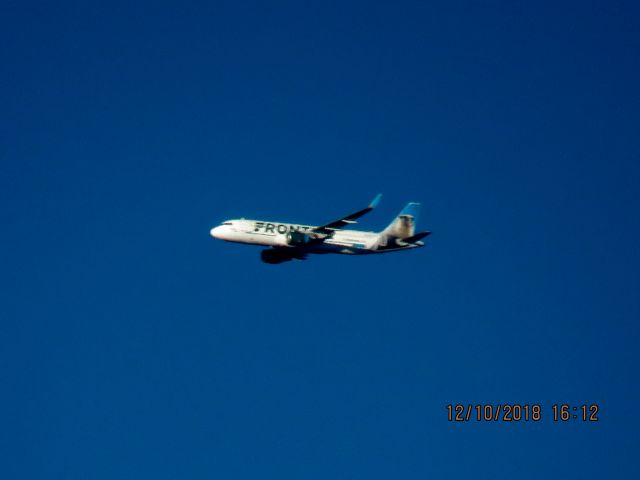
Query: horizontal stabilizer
416, 237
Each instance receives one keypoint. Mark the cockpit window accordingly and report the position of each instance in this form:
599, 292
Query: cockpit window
227, 223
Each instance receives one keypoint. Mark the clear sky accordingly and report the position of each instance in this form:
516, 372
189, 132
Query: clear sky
133, 345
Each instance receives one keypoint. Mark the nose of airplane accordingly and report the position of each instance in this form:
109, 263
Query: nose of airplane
215, 232
221, 232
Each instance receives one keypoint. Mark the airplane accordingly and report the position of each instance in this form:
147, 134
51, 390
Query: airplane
289, 241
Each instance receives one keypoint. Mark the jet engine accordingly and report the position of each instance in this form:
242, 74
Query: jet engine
280, 255
297, 239
274, 256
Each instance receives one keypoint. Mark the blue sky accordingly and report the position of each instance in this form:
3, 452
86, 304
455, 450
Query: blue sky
132, 345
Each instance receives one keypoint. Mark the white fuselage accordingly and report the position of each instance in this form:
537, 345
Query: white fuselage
274, 234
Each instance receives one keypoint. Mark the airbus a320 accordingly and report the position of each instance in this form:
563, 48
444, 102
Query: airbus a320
289, 241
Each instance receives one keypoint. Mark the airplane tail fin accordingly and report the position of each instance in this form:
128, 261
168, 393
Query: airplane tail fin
404, 225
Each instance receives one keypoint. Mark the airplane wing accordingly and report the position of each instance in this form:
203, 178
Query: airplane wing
347, 220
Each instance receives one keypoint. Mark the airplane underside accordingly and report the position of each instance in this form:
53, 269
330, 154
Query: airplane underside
283, 254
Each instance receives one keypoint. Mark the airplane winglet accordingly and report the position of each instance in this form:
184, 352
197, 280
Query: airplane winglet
374, 203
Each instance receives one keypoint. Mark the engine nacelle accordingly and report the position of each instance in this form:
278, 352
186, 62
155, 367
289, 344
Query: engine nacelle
297, 239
